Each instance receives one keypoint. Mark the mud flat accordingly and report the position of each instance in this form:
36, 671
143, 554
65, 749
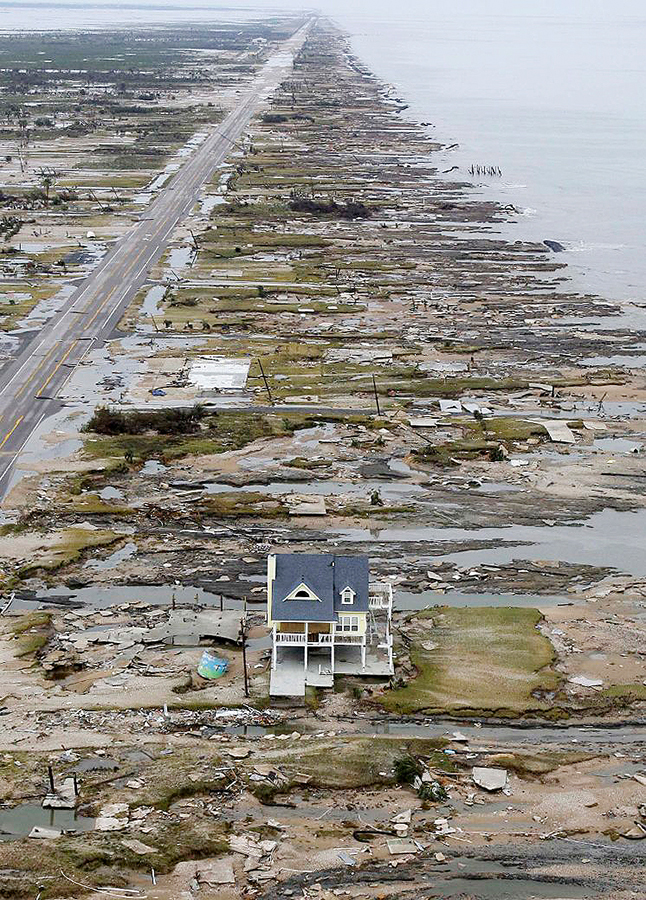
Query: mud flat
337, 352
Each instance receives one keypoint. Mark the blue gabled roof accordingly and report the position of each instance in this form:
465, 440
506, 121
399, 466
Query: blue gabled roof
326, 575
352, 572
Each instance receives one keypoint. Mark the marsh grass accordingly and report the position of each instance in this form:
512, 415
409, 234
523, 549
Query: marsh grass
488, 661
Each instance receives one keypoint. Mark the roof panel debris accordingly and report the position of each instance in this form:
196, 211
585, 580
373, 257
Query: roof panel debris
215, 374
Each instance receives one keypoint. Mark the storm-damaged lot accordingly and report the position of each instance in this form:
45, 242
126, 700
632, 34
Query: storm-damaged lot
338, 353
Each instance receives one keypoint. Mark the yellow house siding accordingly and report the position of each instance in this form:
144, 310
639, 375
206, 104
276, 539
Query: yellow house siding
362, 622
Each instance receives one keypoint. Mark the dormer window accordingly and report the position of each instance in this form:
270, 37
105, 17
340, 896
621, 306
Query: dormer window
347, 596
302, 592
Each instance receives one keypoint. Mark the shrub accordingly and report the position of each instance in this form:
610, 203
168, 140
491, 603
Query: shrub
407, 769
351, 209
109, 421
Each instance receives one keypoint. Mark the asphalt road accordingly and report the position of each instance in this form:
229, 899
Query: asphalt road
30, 384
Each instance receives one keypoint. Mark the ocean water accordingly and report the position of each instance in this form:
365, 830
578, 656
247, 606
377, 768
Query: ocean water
552, 92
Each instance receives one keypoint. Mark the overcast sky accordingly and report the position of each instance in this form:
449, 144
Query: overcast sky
405, 8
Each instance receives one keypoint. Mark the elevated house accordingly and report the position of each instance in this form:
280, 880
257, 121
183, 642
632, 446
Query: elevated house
326, 618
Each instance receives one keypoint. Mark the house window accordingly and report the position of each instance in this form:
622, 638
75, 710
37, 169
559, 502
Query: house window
347, 596
303, 595
348, 624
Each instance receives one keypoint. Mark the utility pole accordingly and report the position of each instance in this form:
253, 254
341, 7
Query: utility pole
243, 635
264, 378
374, 386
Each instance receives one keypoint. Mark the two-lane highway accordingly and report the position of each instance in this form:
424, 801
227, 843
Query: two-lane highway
30, 384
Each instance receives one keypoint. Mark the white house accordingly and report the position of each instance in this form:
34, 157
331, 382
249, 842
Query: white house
326, 619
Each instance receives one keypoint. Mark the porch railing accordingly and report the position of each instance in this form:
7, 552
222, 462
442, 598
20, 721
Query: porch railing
341, 637
288, 637
380, 596
318, 640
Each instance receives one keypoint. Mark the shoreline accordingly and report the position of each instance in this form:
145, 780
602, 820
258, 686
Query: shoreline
375, 370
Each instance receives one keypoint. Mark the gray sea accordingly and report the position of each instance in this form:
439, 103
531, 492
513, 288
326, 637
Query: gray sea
551, 92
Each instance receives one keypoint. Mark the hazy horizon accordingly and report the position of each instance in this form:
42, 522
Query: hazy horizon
553, 92
613, 9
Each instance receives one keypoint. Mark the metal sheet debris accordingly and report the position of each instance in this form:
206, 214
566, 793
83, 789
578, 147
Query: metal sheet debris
558, 430
212, 623
398, 846
306, 506
450, 406
423, 422
213, 374
584, 681
42, 833
63, 798
490, 779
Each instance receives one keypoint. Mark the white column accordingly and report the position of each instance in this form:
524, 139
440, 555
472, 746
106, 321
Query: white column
274, 651
332, 650
306, 640
363, 652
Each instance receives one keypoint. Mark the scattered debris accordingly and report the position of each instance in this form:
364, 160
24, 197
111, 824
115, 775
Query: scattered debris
490, 779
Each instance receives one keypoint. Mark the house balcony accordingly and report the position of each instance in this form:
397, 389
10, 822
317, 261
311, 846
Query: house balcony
298, 639
381, 597
288, 637
341, 638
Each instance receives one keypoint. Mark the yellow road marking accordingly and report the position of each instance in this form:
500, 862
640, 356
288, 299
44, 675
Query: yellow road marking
36, 371
127, 272
101, 307
9, 433
56, 367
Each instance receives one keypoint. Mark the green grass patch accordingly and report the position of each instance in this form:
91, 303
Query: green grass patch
353, 762
29, 621
32, 632
452, 452
243, 504
505, 428
487, 661
422, 386
68, 546
221, 432
535, 765
300, 462
236, 237
482, 440
632, 693
91, 504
